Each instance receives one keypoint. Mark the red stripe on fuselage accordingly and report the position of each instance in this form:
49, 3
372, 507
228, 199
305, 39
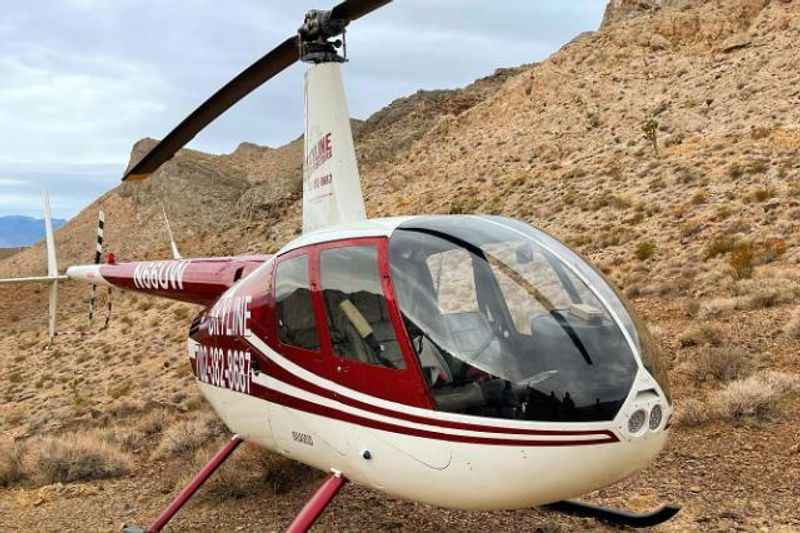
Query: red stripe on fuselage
275, 371
328, 412
270, 368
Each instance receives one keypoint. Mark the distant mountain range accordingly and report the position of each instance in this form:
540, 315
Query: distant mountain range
16, 231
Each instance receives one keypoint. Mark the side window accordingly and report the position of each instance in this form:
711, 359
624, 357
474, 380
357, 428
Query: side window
358, 318
296, 323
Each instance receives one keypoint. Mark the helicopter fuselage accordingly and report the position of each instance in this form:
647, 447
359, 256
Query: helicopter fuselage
384, 424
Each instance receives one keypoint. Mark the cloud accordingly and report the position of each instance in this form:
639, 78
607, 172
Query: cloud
82, 80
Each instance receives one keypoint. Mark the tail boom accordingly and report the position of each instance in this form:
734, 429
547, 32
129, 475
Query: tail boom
197, 281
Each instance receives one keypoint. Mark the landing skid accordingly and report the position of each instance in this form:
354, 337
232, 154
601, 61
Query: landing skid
614, 516
310, 513
190, 489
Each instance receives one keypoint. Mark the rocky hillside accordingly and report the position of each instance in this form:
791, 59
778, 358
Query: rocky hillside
665, 147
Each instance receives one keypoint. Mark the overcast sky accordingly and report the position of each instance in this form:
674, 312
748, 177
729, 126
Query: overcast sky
82, 80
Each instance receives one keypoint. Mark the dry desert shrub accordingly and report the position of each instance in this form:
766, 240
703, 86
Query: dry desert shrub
645, 250
693, 308
137, 436
741, 261
752, 294
766, 292
15, 416
181, 311
692, 413
10, 464
755, 398
717, 308
792, 329
74, 457
721, 364
700, 334
249, 470
719, 246
188, 436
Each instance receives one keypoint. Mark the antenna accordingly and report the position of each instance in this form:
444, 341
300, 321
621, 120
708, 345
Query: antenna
98, 254
175, 253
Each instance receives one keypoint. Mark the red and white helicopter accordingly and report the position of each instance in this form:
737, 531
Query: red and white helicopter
470, 362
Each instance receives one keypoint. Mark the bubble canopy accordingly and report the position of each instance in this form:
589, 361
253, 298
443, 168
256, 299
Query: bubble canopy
508, 322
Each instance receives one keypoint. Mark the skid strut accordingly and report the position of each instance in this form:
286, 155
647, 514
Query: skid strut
614, 516
190, 489
317, 504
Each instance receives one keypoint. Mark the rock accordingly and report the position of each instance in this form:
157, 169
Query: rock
248, 148
618, 10
140, 149
659, 42
735, 42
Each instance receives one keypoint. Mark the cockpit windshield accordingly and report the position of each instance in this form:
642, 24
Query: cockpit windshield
503, 328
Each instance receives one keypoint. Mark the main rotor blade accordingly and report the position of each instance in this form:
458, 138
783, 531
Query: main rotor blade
272, 64
355, 9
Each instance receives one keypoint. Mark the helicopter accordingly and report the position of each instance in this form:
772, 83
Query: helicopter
464, 361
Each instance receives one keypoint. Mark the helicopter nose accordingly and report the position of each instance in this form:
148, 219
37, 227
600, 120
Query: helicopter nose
647, 415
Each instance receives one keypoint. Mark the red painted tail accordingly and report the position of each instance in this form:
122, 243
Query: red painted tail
197, 281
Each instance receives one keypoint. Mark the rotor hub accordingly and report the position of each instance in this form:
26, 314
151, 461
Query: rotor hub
317, 38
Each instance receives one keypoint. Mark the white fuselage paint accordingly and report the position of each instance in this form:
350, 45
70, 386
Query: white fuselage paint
331, 181
88, 273
438, 472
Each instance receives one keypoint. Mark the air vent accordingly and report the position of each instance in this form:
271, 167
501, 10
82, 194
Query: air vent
647, 394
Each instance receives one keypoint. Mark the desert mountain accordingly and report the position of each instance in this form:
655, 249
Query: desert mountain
665, 147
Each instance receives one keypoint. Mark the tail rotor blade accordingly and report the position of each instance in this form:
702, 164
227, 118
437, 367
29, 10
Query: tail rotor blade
52, 262
52, 266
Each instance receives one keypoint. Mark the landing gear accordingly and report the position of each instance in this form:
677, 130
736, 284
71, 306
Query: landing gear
190, 489
614, 516
318, 503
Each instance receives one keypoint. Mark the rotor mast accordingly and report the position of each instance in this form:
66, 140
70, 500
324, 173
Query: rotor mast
331, 182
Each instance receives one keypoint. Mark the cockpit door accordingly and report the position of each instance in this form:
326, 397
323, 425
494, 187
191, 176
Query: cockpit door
363, 332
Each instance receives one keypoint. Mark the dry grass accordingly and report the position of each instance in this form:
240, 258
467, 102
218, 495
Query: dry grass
717, 307
10, 464
721, 364
766, 292
719, 246
645, 250
188, 436
181, 311
700, 334
755, 398
74, 457
792, 329
753, 294
137, 436
691, 413
250, 470
741, 261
